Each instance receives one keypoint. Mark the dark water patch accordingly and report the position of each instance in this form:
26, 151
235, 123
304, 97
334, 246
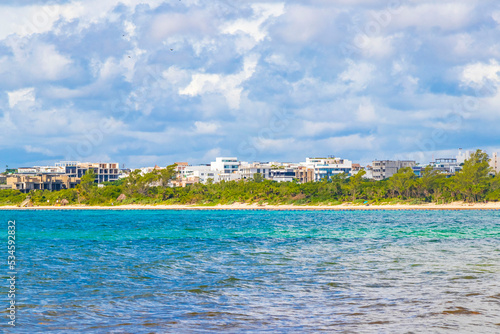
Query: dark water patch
460, 311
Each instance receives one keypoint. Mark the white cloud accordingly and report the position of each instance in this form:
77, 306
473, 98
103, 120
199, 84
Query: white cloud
366, 112
358, 75
35, 149
303, 23
227, 85
36, 60
447, 16
212, 154
25, 96
253, 27
375, 46
205, 127
311, 128
478, 74
496, 16
168, 25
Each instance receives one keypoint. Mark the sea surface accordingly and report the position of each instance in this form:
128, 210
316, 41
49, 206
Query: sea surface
254, 271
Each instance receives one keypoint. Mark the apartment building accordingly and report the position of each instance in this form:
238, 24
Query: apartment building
105, 172
225, 165
247, 171
283, 174
304, 174
326, 168
26, 183
494, 162
383, 169
446, 165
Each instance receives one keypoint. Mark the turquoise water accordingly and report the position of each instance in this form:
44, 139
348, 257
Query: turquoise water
255, 271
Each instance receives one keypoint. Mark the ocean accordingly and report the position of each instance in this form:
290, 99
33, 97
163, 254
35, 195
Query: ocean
253, 271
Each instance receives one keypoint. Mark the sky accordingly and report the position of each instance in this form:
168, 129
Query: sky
145, 82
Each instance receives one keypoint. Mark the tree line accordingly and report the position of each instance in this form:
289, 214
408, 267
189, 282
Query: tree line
474, 183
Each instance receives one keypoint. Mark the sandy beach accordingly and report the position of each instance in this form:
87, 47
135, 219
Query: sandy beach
239, 206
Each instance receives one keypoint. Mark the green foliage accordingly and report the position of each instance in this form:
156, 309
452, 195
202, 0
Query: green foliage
10, 197
472, 184
473, 180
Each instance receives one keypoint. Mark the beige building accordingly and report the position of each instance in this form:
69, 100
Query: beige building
26, 183
494, 163
304, 174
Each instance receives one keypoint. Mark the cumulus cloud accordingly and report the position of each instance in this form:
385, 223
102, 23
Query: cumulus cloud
227, 85
480, 73
281, 79
25, 96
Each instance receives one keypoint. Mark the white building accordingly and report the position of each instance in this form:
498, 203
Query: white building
199, 174
225, 165
41, 170
247, 171
328, 167
494, 162
462, 156
446, 165
283, 174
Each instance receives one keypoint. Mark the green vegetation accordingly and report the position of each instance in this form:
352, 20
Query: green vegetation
472, 184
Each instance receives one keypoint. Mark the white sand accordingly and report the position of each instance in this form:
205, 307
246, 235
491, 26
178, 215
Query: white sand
239, 206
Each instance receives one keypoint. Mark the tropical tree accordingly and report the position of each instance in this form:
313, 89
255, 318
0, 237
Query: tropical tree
472, 180
356, 183
428, 181
402, 181
87, 185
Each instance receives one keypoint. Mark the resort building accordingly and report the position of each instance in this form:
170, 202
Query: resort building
462, 156
247, 171
494, 163
26, 183
326, 168
304, 174
225, 165
446, 165
383, 169
64, 175
283, 175
197, 174
105, 172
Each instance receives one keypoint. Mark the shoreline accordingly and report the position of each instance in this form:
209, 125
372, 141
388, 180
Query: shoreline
239, 206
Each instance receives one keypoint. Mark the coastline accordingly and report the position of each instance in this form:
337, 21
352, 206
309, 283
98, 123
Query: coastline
239, 206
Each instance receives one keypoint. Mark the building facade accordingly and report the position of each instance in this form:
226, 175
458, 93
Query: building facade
326, 168
494, 163
383, 169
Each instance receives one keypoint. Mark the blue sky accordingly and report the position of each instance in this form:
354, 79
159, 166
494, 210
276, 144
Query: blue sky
146, 82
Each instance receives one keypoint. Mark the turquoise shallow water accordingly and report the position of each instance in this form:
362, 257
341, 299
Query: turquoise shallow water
255, 271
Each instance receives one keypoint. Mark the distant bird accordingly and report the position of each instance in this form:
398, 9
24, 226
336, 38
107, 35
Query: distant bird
171, 49
129, 56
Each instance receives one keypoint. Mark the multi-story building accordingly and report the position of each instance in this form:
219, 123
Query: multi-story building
105, 172
283, 174
462, 156
197, 174
494, 163
328, 167
225, 165
383, 169
304, 174
247, 171
41, 170
446, 165
27, 182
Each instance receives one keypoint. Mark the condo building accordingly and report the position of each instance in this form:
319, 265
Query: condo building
383, 169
